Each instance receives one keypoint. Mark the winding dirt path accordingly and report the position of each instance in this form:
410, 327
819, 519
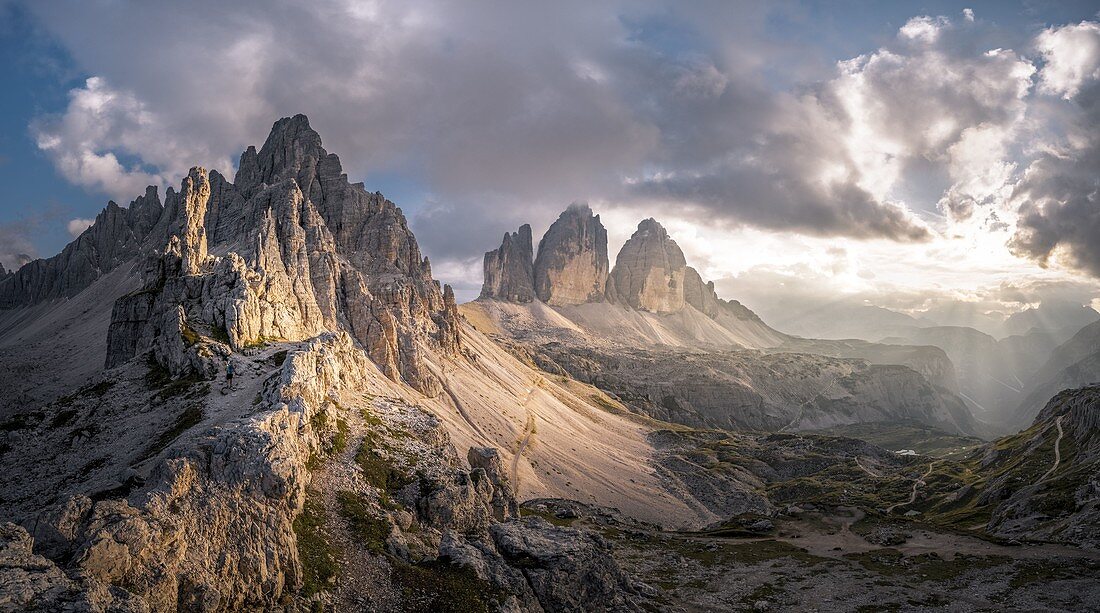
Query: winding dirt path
866, 470
1057, 451
525, 439
916, 485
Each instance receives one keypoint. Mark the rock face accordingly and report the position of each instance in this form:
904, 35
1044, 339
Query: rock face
30, 582
1072, 364
650, 271
571, 266
751, 390
509, 270
115, 238
287, 251
550, 568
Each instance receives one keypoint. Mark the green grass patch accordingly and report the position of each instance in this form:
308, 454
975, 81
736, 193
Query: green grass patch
923, 439
363, 523
190, 337
340, 439
220, 334
548, 516
378, 470
442, 587
319, 562
924, 567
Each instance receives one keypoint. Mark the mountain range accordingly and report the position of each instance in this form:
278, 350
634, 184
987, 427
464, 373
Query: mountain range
581, 437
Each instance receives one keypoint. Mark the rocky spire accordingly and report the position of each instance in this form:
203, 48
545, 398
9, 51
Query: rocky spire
509, 270
366, 226
194, 194
300, 250
650, 270
571, 266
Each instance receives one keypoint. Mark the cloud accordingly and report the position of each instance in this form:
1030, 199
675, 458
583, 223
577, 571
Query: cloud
77, 226
1072, 55
16, 248
500, 114
1059, 194
830, 160
102, 123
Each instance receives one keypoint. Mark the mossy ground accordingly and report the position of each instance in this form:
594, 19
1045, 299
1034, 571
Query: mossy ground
377, 468
191, 416
320, 565
364, 523
440, 587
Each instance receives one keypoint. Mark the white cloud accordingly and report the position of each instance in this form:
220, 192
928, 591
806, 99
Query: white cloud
77, 226
102, 123
1072, 56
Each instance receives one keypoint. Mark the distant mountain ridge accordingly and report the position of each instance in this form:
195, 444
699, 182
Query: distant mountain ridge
633, 329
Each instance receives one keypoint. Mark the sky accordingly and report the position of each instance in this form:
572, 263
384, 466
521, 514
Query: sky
936, 158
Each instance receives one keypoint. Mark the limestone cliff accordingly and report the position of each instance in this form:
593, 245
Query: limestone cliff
509, 269
290, 250
650, 270
571, 266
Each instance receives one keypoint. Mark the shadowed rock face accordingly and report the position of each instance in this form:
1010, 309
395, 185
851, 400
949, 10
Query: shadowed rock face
571, 266
509, 270
114, 239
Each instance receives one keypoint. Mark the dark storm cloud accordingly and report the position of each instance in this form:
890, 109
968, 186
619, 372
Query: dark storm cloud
488, 103
1059, 196
504, 112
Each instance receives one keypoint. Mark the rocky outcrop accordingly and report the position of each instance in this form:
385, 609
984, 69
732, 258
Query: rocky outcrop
489, 461
571, 265
290, 250
751, 390
202, 519
548, 568
650, 271
33, 583
1044, 483
509, 269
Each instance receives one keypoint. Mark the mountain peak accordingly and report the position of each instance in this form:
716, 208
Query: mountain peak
652, 225
509, 272
571, 266
650, 270
292, 146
